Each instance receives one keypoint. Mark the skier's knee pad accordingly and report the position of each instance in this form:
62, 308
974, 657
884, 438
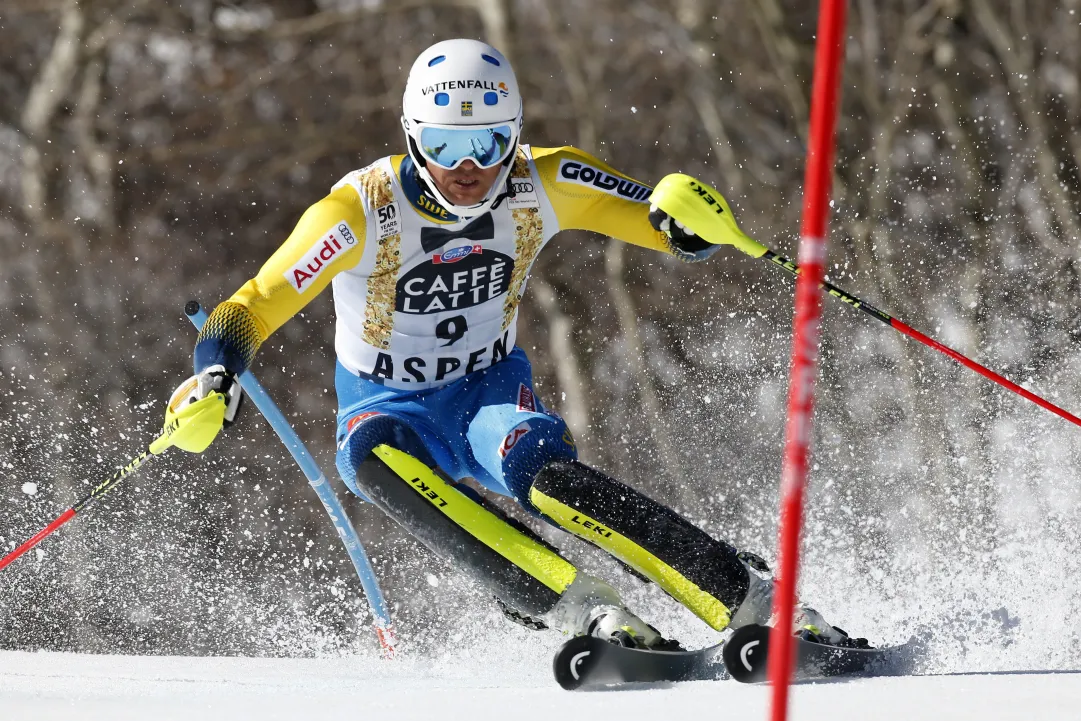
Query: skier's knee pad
547, 439
523, 572
699, 571
366, 435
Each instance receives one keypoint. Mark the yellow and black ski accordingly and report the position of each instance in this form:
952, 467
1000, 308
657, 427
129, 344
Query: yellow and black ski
588, 661
746, 655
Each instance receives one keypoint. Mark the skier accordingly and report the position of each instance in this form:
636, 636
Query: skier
429, 253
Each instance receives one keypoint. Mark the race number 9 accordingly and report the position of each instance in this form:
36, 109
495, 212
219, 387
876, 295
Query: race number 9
451, 329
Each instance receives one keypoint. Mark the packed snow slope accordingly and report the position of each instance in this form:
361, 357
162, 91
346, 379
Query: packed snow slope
501, 686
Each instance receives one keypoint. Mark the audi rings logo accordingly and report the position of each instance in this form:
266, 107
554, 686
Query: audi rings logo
523, 193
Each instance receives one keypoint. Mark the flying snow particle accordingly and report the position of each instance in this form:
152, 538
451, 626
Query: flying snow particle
30, 489
433, 581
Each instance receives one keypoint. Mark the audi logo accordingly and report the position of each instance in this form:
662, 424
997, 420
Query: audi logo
522, 187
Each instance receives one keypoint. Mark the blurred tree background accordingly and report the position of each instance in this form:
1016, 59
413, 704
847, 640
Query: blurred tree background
152, 152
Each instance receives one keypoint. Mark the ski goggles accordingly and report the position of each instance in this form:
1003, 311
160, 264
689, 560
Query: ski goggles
448, 146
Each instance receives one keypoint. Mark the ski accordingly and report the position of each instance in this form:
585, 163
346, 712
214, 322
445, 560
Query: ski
586, 661
746, 652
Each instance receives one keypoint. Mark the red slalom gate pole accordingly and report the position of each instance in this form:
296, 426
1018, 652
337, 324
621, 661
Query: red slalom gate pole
829, 53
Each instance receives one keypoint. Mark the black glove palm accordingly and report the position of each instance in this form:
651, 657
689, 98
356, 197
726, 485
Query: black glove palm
683, 238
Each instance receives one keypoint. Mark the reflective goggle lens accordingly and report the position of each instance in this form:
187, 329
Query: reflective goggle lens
449, 147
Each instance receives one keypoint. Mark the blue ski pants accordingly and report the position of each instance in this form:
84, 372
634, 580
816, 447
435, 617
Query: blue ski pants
488, 425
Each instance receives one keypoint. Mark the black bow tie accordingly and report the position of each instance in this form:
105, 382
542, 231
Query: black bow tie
482, 228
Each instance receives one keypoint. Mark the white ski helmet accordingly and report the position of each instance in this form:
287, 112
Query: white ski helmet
462, 103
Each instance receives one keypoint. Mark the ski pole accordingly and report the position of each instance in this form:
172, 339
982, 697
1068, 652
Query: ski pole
100, 490
788, 265
317, 480
705, 211
190, 427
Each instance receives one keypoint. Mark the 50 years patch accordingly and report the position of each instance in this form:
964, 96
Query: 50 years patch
389, 219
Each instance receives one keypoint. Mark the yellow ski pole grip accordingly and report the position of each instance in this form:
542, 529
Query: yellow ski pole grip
160, 444
194, 427
705, 211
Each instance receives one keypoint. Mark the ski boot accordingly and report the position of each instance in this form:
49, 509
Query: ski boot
807, 623
590, 607
615, 624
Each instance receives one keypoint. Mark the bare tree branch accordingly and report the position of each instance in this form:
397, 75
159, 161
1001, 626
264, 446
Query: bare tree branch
49, 90
575, 406
1019, 74
672, 464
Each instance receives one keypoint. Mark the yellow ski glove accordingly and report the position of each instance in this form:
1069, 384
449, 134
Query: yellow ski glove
702, 210
198, 410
